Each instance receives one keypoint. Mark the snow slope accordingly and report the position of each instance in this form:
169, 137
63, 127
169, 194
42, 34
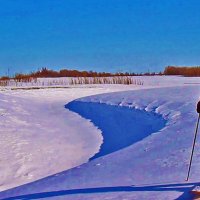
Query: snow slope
152, 168
39, 137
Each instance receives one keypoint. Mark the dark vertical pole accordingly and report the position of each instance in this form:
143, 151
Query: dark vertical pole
193, 146
195, 137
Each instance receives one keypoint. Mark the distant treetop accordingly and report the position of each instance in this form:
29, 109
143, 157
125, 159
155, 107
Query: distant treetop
184, 71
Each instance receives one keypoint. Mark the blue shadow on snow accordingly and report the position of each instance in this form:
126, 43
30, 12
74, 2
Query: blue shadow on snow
121, 126
180, 187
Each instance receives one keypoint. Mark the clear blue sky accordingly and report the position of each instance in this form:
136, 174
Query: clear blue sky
101, 35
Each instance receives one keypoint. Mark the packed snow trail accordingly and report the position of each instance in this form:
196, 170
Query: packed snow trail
153, 168
120, 126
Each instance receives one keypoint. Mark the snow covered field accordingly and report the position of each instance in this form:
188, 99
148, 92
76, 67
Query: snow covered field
155, 81
149, 160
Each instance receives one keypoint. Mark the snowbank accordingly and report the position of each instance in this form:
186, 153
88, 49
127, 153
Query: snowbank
120, 126
153, 168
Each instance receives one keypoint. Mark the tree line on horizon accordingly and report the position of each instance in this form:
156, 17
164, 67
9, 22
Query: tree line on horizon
48, 73
182, 71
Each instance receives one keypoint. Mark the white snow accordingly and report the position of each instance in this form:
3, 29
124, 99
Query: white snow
39, 137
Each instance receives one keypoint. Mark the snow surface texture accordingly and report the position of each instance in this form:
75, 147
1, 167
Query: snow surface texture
152, 168
39, 137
